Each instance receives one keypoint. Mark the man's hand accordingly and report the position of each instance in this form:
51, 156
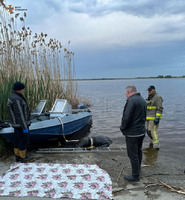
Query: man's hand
25, 131
156, 120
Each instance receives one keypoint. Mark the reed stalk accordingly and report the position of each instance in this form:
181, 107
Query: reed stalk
43, 65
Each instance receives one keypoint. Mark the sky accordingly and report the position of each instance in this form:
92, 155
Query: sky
114, 38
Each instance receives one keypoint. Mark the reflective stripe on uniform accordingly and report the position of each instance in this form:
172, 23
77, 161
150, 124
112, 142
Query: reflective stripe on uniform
155, 138
151, 107
159, 115
150, 118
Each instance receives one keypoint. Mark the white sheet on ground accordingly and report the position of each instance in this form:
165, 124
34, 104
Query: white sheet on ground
78, 181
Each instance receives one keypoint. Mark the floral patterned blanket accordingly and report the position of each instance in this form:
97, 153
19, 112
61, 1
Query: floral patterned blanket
78, 181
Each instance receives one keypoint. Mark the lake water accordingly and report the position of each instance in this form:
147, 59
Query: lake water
108, 99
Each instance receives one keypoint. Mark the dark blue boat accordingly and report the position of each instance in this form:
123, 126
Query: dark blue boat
61, 123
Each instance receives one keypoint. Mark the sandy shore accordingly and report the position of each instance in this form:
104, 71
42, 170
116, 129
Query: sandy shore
160, 171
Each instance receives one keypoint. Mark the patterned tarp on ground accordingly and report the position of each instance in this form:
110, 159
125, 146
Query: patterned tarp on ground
78, 181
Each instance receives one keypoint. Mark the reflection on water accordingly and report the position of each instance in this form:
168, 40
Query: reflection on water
150, 155
108, 100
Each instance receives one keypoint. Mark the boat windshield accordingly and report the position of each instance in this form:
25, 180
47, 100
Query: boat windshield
38, 110
61, 106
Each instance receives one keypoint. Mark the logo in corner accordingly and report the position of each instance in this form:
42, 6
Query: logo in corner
10, 8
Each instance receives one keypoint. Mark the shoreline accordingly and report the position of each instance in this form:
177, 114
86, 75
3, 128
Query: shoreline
159, 175
136, 78
117, 79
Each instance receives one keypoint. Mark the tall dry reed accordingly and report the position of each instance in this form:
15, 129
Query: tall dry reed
42, 64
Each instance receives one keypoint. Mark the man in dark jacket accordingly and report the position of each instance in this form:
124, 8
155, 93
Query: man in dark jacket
20, 120
133, 127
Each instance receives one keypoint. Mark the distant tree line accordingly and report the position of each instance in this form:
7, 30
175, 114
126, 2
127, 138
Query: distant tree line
159, 76
169, 76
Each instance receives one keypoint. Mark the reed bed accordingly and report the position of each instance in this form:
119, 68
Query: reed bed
43, 65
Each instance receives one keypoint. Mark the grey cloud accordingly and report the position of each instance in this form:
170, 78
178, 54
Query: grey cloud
145, 8
169, 28
162, 58
53, 4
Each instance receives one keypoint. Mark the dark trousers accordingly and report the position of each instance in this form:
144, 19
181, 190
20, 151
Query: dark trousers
134, 151
20, 139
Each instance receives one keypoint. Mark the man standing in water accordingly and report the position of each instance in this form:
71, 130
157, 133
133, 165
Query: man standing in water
20, 120
133, 127
154, 114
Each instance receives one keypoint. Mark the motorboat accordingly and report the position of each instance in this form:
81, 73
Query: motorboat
62, 123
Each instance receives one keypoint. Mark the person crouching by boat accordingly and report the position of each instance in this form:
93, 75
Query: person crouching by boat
20, 120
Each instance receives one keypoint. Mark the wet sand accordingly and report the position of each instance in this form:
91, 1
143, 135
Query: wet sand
160, 170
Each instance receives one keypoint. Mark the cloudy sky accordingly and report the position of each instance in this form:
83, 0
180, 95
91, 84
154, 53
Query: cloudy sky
114, 38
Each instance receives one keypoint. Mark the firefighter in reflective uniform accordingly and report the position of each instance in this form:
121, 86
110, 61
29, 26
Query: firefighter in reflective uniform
154, 114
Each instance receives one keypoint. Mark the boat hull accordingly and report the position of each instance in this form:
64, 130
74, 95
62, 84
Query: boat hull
74, 126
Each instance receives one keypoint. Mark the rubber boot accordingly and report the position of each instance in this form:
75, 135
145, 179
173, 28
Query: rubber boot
149, 147
155, 147
16, 153
17, 158
24, 158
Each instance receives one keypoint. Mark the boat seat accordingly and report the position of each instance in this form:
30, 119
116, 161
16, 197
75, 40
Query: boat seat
40, 117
